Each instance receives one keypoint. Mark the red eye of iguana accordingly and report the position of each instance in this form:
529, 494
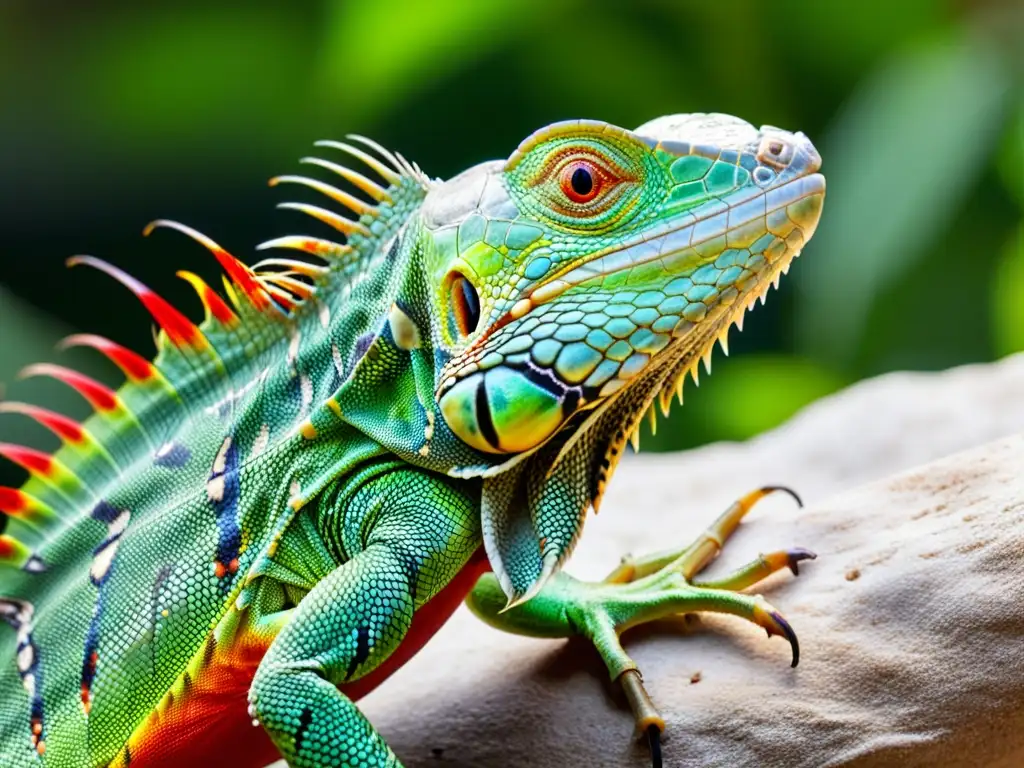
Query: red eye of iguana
580, 181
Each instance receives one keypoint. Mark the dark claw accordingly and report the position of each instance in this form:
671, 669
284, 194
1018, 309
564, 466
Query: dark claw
654, 740
796, 555
790, 635
784, 489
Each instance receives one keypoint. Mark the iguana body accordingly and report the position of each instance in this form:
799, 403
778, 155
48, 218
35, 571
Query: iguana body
267, 520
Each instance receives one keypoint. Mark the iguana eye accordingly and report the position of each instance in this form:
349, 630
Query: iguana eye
465, 304
580, 182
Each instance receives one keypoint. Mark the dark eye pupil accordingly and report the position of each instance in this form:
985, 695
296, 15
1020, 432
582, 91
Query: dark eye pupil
582, 182
466, 304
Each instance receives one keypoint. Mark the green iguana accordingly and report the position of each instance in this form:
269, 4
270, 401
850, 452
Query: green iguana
268, 519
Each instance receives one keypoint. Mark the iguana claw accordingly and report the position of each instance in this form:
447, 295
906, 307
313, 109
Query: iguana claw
796, 555
774, 624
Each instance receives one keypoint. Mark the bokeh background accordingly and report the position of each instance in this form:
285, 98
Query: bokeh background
116, 113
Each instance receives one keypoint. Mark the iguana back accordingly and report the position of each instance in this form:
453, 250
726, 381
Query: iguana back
131, 542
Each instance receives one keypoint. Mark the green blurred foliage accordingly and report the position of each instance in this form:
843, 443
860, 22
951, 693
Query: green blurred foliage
1008, 297
115, 113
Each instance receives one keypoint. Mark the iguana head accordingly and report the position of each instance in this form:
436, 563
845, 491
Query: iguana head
583, 277
596, 257
566, 289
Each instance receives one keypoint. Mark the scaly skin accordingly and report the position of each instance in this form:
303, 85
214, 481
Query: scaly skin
273, 515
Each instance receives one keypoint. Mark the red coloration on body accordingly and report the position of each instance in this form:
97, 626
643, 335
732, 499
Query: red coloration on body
133, 365
86, 693
99, 396
63, 427
195, 729
36, 462
220, 570
179, 329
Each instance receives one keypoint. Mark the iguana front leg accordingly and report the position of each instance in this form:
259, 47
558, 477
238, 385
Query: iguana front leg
643, 590
415, 533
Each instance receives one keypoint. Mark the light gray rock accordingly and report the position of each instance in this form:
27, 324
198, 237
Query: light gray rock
911, 621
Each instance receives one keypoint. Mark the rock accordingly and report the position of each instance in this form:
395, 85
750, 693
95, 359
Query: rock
911, 621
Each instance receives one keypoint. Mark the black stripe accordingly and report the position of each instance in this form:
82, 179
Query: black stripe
362, 650
305, 720
544, 379
483, 414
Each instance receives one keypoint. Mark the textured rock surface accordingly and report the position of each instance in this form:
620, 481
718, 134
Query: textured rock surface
911, 621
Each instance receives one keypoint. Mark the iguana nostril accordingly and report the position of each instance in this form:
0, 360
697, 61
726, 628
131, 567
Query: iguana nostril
775, 151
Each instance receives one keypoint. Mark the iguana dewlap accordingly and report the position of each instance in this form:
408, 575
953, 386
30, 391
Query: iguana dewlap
266, 520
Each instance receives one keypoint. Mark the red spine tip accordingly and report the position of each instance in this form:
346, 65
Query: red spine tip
214, 304
239, 273
34, 461
99, 396
66, 429
12, 501
179, 329
133, 365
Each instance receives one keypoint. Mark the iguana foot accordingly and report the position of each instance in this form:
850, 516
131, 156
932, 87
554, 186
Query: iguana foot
641, 590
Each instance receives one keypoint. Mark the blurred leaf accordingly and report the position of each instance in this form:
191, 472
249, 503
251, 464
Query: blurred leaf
1011, 155
757, 393
844, 37
376, 53
899, 160
1008, 298
154, 74
745, 396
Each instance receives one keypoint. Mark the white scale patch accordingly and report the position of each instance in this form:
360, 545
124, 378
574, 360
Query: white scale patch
306, 387
235, 396
106, 551
295, 497
428, 432
18, 613
293, 348
260, 443
215, 485
339, 364
325, 315
403, 329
